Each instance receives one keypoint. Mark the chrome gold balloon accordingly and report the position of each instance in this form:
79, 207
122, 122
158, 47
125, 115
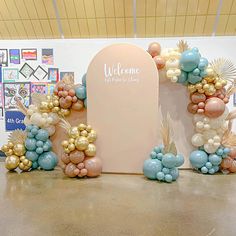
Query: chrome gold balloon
74, 132
71, 147
4, 148
92, 136
19, 149
84, 133
64, 143
10, 144
9, 152
12, 162
89, 128
71, 140
82, 127
91, 150
81, 143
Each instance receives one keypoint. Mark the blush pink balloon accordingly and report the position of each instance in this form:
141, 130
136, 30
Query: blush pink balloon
76, 156
214, 107
80, 165
226, 163
65, 158
77, 106
69, 170
232, 153
64, 104
154, 49
83, 172
76, 171
160, 62
198, 97
191, 108
232, 168
93, 166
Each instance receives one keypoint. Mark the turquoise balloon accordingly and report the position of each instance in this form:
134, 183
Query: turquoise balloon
151, 167
39, 143
160, 156
81, 92
166, 170
47, 160
216, 168
84, 83
168, 178
203, 73
208, 165
46, 147
31, 155
215, 159
196, 71
219, 151
160, 176
30, 144
182, 78
34, 131
168, 160
42, 135
174, 172
48, 143
203, 63
179, 160
153, 155
189, 60
29, 127
212, 171
39, 150
30, 135
35, 165
157, 149
226, 150
204, 170
198, 158
193, 79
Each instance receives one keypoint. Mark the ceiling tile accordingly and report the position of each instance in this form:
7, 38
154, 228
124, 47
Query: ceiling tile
120, 27
80, 9
74, 27
102, 30
70, 9
161, 8
182, 7
65, 28
223, 19
199, 25
83, 26
38, 29
151, 7
169, 25
179, 25
111, 27
128, 4
129, 27
92, 27
171, 7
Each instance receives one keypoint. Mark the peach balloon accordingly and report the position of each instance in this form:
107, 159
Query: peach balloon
65, 158
198, 97
69, 170
214, 107
76, 156
160, 62
76, 171
154, 49
192, 108
93, 166
83, 172
232, 168
232, 153
77, 106
65, 104
226, 163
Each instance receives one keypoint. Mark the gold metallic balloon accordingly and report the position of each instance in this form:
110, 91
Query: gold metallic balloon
92, 136
191, 88
82, 127
25, 161
56, 103
4, 148
84, 133
198, 86
74, 132
12, 162
19, 149
22, 158
55, 109
50, 105
81, 143
206, 86
66, 150
64, 143
71, 140
44, 107
21, 166
89, 128
64, 112
10, 144
9, 152
91, 150
71, 147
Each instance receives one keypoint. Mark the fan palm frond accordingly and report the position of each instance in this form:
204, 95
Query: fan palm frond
37, 98
182, 45
65, 124
21, 107
17, 136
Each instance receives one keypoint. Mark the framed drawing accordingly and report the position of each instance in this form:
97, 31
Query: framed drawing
10, 74
41, 88
40, 73
29, 54
51, 88
26, 70
3, 57
1, 95
14, 55
47, 56
53, 75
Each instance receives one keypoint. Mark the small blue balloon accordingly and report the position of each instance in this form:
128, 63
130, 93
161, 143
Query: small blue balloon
204, 170
39, 150
215, 159
168, 178
42, 135
208, 165
179, 161
48, 143
31, 155
193, 79
160, 156
47, 160
198, 158
219, 151
174, 172
29, 127
226, 151
35, 165
160, 176
216, 168
30, 144
34, 131
30, 135
151, 167
81, 92
182, 78
165, 170
203, 73
203, 63
84, 80
196, 71
46, 148
157, 149
39, 143
212, 171
153, 155
189, 60
169, 160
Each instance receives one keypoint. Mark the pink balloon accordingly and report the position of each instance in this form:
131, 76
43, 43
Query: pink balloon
192, 108
76, 156
93, 166
201, 105
154, 49
80, 165
65, 158
232, 168
64, 104
76, 171
226, 163
160, 62
232, 153
69, 170
83, 172
198, 97
214, 107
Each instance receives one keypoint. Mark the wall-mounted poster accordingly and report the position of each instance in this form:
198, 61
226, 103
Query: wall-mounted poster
0, 74
1, 113
1, 95
16, 90
14, 120
29, 54
10, 74
14, 55
3, 57
39, 88
53, 75
47, 56
40, 73
51, 88
62, 74
26, 70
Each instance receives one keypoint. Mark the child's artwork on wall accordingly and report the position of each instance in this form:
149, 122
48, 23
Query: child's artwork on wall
12, 91
14, 55
26, 70
40, 73
1, 113
1, 95
29, 54
0, 74
62, 74
10, 74
51, 88
47, 56
3, 57
53, 75
39, 88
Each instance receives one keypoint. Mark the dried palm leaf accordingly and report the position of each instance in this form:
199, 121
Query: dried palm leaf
231, 115
231, 90
229, 140
37, 98
182, 45
172, 148
68, 79
65, 124
224, 69
17, 136
21, 107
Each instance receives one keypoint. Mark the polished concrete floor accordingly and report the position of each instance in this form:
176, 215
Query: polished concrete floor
48, 203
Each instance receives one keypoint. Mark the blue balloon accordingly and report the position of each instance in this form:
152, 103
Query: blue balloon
30, 144
196, 71
203, 63
34, 131
204, 170
81, 92
157, 149
193, 79
179, 161
42, 135
31, 155
189, 60
182, 78
30, 135
168, 178
198, 158
160, 156
48, 143
203, 73
216, 168
166, 170
29, 127
160, 176
212, 171
226, 151
219, 151
39, 150
35, 165
174, 172
47, 160
215, 159
84, 83
208, 165
153, 155
39, 143
169, 160
151, 167
46, 147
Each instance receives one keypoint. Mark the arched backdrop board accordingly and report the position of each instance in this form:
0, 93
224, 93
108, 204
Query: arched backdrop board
122, 94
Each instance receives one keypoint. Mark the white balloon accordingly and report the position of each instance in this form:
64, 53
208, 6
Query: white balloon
51, 129
55, 118
36, 119
200, 125
208, 134
210, 148
197, 117
197, 140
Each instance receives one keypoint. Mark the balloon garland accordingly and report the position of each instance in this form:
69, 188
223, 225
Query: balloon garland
210, 86
31, 149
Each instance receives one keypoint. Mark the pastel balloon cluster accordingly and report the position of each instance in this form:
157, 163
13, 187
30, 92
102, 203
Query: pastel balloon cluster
38, 148
79, 158
228, 164
162, 166
208, 163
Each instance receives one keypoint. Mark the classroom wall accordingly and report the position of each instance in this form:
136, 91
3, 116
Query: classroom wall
75, 55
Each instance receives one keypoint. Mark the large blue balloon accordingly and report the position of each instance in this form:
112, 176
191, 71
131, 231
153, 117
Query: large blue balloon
81, 92
169, 160
189, 60
179, 160
174, 172
198, 158
31, 155
30, 144
215, 159
47, 160
151, 167
42, 135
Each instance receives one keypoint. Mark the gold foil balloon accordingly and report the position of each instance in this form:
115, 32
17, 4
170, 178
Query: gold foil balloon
25, 165
9, 152
64, 143
84, 133
71, 147
71, 140
91, 150
92, 136
74, 132
81, 143
44, 107
10, 144
12, 162
4, 148
82, 127
89, 128
19, 149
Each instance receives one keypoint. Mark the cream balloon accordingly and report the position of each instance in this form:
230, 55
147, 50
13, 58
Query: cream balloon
51, 129
55, 118
197, 140
208, 134
197, 117
210, 148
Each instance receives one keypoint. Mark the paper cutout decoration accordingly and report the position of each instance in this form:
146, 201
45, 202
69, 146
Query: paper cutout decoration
29, 54
26, 70
10, 74
1, 95
14, 56
40, 73
53, 74
62, 74
47, 56
3, 57
41, 88
51, 88
16, 90
122, 92
14, 120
